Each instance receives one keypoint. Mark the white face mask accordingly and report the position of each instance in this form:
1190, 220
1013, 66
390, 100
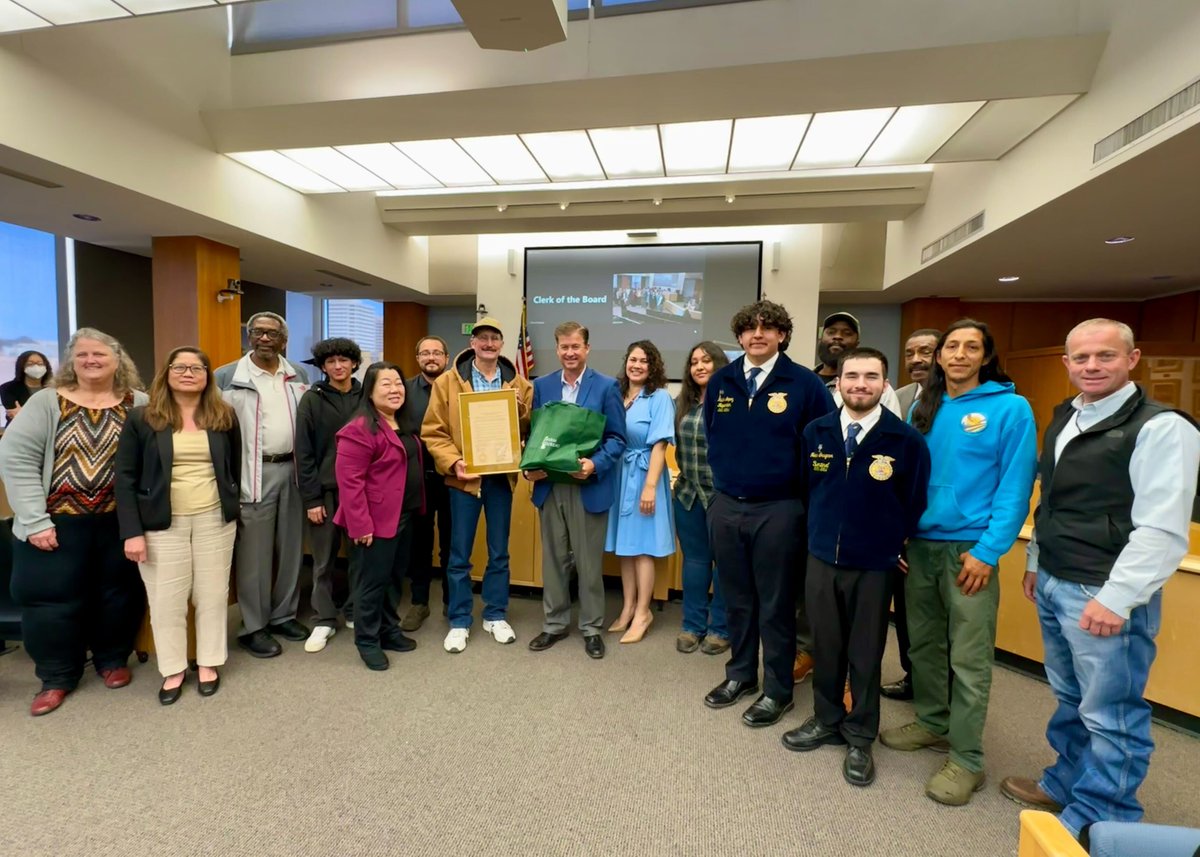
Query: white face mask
35, 371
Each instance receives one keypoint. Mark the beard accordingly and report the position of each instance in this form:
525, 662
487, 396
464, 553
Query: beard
827, 355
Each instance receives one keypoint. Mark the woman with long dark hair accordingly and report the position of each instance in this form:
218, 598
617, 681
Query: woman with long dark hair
639, 524
178, 465
380, 490
704, 625
32, 373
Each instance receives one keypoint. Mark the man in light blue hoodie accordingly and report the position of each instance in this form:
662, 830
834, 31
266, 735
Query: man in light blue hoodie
983, 445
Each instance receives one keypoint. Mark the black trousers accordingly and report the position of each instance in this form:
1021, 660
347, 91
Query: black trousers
83, 596
849, 612
420, 567
901, 611
381, 567
756, 547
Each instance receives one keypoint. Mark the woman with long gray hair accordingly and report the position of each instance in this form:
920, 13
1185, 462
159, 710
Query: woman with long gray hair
77, 590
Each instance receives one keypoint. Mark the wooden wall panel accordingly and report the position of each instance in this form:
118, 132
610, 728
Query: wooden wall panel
998, 316
1170, 319
403, 325
220, 324
188, 272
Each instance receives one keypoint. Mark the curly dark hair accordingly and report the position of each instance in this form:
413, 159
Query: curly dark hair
337, 346
766, 313
656, 376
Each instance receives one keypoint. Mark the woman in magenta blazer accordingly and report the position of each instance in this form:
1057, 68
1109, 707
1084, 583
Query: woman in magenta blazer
380, 490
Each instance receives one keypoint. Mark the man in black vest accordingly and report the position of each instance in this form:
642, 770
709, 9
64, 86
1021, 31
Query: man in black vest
1118, 475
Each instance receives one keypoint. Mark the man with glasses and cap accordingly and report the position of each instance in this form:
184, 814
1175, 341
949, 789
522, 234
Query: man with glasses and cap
265, 390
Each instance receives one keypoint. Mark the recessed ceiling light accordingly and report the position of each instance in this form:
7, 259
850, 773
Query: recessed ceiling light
1008, 279
90, 218
1120, 239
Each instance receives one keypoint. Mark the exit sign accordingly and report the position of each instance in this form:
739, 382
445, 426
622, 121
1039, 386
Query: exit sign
467, 327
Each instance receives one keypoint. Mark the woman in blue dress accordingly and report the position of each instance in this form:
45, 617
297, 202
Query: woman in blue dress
639, 523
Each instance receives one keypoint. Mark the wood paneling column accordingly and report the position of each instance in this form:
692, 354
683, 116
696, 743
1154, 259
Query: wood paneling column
188, 273
404, 323
938, 313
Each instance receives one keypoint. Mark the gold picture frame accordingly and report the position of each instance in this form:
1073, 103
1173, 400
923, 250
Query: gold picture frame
491, 431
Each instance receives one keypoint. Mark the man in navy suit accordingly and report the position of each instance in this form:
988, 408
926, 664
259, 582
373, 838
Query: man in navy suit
574, 517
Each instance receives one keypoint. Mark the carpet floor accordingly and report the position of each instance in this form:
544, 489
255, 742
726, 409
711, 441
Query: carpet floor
497, 750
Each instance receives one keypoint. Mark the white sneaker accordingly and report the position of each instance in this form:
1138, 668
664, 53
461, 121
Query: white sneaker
456, 640
500, 630
318, 638
349, 624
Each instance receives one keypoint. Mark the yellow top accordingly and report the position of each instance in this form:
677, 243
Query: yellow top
193, 480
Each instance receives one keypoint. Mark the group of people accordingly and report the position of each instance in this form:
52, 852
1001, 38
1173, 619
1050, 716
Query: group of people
806, 502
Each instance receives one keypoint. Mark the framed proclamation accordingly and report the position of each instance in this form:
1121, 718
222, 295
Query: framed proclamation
491, 431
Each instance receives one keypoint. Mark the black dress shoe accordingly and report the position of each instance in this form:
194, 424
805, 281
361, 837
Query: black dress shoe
208, 688
859, 766
545, 640
729, 692
810, 736
169, 697
766, 711
374, 658
594, 646
290, 630
399, 643
902, 689
260, 644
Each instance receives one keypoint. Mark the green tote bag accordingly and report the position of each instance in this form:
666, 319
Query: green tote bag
561, 433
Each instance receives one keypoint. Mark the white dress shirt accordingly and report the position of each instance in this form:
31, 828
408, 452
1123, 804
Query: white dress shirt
867, 423
277, 437
762, 376
570, 392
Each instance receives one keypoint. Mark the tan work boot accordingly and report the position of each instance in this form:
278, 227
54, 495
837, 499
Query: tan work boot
802, 667
1028, 793
913, 736
953, 785
416, 614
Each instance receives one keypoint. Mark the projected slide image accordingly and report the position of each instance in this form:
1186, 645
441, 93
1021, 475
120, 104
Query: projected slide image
672, 298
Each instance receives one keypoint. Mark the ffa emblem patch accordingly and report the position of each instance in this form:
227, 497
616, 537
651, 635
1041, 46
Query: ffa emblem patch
881, 467
777, 402
974, 423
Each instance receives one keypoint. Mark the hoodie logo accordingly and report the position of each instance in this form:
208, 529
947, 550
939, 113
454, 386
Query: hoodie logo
974, 423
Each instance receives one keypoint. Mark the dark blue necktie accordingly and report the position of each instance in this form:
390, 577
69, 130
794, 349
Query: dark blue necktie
752, 382
852, 439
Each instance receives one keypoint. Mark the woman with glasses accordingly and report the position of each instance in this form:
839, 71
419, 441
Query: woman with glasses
77, 591
177, 499
32, 374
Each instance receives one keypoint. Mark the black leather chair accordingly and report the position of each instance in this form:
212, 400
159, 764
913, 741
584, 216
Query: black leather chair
10, 613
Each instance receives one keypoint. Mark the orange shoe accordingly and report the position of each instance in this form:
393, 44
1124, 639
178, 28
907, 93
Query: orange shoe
803, 666
847, 699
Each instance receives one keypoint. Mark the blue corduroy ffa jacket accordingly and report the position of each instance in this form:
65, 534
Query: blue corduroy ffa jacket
754, 447
860, 515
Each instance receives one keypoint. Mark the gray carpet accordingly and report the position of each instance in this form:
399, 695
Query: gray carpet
498, 750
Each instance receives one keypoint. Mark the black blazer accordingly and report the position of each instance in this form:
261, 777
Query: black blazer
143, 474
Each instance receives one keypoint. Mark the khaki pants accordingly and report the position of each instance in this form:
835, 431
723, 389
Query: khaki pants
192, 557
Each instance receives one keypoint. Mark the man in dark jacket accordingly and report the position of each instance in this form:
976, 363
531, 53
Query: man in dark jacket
865, 473
323, 410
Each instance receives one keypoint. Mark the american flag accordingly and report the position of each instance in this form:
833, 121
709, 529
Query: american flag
524, 348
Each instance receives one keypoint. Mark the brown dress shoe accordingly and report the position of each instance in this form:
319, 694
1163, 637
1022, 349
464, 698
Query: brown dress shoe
1028, 793
116, 677
803, 666
47, 701
847, 699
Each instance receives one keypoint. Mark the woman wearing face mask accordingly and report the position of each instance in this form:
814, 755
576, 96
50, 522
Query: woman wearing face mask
703, 620
33, 373
380, 490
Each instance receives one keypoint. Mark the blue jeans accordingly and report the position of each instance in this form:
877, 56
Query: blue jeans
1101, 728
495, 501
700, 616
1117, 838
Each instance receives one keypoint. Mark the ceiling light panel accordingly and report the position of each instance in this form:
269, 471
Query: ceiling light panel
14, 17
628, 153
840, 139
74, 11
390, 164
696, 148
286, 171
916, 132
565, 156
331, 164
766, 144
446, 161
505, 158
143, 7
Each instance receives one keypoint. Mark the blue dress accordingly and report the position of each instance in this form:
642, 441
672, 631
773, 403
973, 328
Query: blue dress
650, 419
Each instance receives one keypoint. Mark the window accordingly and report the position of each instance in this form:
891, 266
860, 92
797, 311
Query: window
304, 326
360, 320
29, 320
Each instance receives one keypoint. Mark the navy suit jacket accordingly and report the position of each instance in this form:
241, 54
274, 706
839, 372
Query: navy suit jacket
598, 392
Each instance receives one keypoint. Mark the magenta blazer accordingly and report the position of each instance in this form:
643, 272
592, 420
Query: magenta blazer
371, 468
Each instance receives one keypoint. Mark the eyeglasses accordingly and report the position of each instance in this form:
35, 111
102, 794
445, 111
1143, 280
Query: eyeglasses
260, 332
424, 354
186, 369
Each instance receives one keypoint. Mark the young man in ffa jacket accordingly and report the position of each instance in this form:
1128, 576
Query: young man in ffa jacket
755, 410
865, 473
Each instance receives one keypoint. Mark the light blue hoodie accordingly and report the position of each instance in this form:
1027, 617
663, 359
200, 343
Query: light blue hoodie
983, 447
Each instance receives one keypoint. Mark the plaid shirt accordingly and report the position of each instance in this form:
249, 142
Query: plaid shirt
481, 384
695, 480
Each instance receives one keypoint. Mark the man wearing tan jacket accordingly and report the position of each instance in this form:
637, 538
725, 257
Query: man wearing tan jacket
478, 369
